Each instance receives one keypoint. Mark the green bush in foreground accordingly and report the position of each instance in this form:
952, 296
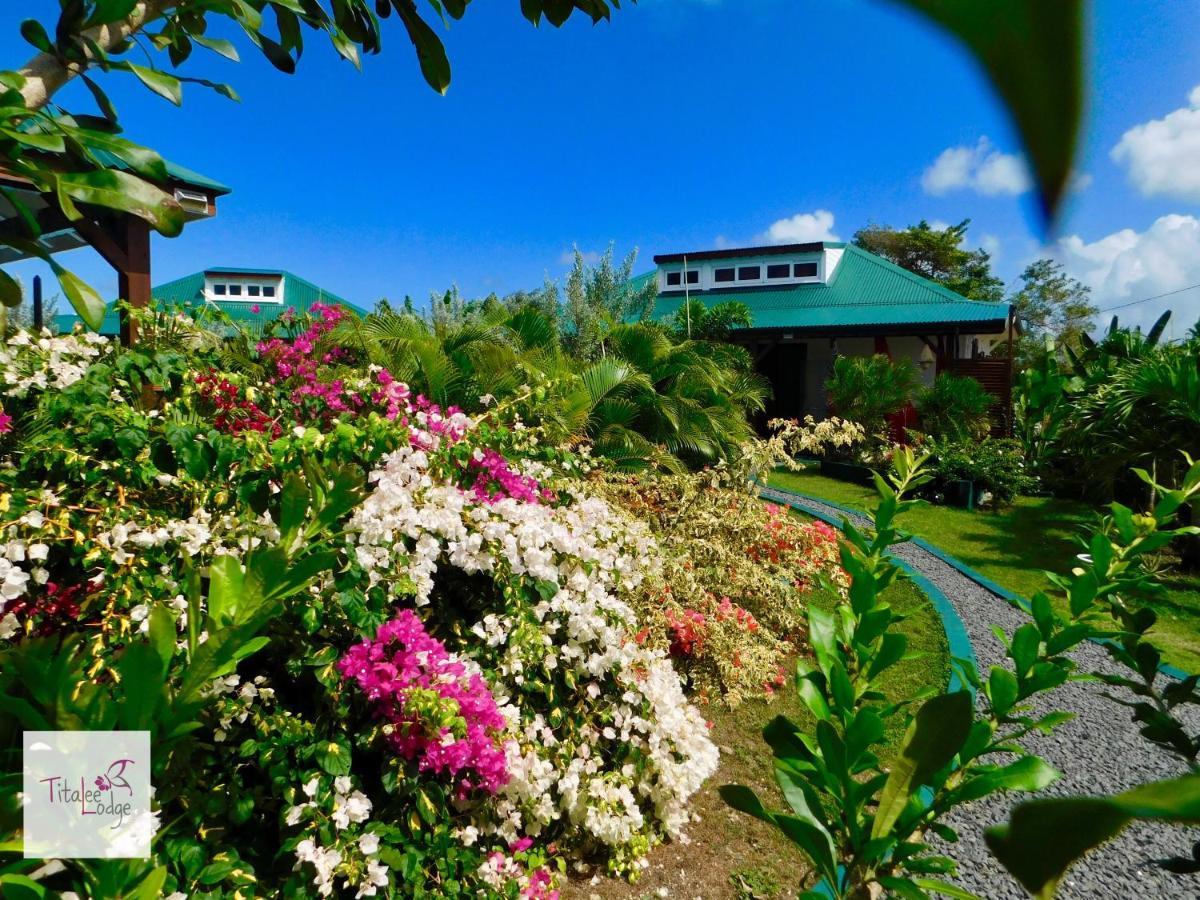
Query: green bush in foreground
866, 829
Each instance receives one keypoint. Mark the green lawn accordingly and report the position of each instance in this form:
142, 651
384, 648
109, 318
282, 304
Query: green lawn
1014, 546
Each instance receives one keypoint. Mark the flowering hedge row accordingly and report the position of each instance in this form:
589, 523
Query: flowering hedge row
736, 578
407, 639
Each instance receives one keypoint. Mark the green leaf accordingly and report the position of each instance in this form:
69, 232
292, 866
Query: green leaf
1024, 648
743, 799
139, 159
20, 887
11, 293
293, 507
217, 45
35, 34
1032, 52
934, 736
166, 86
84, 299
1002, 690
334, 756
935, 886
822, 637
124, 191
430, 53
225, 584
109, 11
1044, 837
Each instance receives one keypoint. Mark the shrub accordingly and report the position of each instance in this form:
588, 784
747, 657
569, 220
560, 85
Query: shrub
996, 465
829, 439
411, 664
868, 389
735, 578
955, 408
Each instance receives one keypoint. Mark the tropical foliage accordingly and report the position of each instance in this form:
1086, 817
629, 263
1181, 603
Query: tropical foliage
955, 408
1127, 399
378, 643
867, 828
647, 400
868, 389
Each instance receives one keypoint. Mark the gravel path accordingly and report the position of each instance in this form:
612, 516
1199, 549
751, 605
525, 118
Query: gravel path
1098, 752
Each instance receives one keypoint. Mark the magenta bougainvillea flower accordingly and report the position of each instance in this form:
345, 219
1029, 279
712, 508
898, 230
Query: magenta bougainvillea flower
442, 715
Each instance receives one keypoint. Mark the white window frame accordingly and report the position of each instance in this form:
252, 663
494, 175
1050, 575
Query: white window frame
243, 282
707, 279
698, 271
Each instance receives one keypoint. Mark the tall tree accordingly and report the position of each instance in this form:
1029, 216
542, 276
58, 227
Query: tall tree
936, 254
601, 297
1051, 302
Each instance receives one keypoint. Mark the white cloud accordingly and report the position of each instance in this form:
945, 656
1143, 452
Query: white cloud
991, 245
981, 168
590, 257
1162, 155
1128, 265
801, 228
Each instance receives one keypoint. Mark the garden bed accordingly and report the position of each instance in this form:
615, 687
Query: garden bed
730, 856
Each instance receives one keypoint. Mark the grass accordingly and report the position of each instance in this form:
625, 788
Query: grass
731, 856
1014, 546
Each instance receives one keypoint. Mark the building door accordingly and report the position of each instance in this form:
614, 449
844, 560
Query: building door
785, 365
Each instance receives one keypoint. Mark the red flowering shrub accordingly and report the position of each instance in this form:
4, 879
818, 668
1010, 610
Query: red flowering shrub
235, 413
737, 578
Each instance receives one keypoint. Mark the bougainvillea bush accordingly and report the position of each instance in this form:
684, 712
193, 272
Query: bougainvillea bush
736, 578
383, 649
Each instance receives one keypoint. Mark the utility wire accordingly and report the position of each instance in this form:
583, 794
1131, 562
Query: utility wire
1148, 299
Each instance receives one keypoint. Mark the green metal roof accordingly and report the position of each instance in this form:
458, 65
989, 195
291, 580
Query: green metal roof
175, 172
299, 294
864, 290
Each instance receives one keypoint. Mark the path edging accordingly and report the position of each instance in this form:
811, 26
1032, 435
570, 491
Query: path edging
958, 642
966, 571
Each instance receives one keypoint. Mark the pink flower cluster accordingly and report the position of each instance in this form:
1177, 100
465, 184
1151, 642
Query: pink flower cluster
727, 609
497, 480
5, 422
501, 869
299, 359
429, 422
400, 671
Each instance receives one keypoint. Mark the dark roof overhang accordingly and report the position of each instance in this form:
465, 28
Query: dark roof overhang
773, 250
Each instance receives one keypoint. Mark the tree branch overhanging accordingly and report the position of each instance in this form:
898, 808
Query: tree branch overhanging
44, 74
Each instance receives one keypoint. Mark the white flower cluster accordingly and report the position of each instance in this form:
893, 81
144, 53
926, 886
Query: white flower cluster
199, 533
348, 806
29, 362
582, 556
15, 579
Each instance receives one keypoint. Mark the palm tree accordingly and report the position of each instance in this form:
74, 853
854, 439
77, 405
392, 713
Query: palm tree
648, 402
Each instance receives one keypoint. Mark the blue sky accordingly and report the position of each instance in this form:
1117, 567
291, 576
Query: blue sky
679, 125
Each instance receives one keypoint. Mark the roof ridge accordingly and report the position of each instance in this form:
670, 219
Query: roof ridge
927, 283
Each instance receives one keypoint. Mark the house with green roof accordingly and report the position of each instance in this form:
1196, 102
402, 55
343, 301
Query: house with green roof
810, 303
251, 297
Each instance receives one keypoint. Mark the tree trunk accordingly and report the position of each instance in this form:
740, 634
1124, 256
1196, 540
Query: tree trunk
44, 75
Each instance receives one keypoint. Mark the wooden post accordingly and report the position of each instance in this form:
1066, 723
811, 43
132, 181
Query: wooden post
133, 279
